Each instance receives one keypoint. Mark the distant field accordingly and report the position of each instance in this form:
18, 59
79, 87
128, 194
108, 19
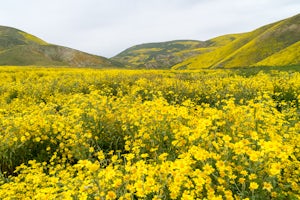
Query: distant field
144, 134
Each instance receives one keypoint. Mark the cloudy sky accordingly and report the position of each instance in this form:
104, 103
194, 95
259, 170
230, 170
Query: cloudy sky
106, 27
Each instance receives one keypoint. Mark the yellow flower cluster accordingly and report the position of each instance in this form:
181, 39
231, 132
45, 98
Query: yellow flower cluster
124, 134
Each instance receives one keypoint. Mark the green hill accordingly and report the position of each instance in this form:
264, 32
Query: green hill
285, 57
160, 55
276, 44
20, 48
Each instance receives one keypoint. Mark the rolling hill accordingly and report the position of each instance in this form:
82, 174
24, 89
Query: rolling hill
164, 55
275, 44
20, 49
285, 57
159, 55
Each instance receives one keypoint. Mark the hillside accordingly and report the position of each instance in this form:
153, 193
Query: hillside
160, 55
20, 48
287, 56
276, 44
164, 55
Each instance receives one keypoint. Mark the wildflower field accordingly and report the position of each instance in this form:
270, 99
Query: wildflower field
142, 134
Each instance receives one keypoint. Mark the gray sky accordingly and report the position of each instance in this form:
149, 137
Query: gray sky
107, 27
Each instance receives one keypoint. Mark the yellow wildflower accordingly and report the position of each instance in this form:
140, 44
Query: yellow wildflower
111, 195
253, 186
267, 186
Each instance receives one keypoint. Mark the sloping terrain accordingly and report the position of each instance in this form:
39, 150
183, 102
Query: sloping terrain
20, 48
160, 55
285, 57
164, 55
275, 44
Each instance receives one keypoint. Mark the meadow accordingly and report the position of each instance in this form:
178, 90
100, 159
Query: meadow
145, 134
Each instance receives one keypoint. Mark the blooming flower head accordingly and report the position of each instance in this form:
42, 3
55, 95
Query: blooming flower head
253, 186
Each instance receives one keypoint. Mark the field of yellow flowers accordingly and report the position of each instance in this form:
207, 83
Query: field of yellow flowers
126, 134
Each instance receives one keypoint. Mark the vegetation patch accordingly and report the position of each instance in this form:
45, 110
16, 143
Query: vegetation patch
141, 134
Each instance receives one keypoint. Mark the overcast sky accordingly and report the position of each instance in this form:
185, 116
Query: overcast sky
107, 27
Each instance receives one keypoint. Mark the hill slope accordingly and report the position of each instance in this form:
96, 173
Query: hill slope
20, 48
164, 55
275, 44
159, 55
285, 57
